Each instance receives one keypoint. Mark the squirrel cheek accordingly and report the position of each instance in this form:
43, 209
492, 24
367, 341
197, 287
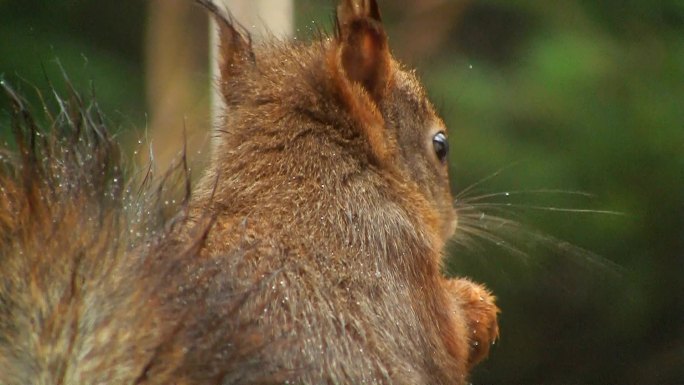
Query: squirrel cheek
445, 229
452, 226
449, 217
449, 225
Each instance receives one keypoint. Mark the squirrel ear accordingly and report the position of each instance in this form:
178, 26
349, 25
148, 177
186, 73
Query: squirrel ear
235, 48
364, 52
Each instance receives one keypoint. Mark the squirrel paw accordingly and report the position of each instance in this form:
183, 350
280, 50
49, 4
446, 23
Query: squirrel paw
478, 307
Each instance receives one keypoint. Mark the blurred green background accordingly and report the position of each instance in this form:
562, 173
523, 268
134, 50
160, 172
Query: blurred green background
542, 99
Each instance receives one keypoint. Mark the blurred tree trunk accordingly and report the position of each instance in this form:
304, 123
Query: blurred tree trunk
177, 55
262, 18
176, 62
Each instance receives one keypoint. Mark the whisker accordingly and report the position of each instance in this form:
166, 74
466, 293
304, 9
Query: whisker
495, 240
500, 223
479, 214
525, 192
549, 208
486, 228
485, 179
561, 247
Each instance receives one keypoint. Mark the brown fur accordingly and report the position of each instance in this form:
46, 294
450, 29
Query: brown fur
309, 253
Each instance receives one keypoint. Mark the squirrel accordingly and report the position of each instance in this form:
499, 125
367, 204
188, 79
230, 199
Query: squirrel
309, 252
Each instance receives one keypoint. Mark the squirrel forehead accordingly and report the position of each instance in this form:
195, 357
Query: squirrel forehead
414, 99
287, 61
294, 75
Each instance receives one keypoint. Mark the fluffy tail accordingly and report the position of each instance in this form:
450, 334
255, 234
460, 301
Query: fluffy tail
96, 286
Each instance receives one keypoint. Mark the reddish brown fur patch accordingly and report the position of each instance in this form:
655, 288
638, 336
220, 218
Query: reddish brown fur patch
325, 159
363, 109
481, 316
311, 253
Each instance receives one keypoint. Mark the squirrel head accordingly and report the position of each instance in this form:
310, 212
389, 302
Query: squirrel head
331, 109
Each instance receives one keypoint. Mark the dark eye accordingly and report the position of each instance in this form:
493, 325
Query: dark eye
439, 141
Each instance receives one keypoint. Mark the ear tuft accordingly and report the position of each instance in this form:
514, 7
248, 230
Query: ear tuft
235, 47
351, 9
364, 52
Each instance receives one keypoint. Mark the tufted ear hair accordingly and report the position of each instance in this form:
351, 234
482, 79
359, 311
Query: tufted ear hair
360, 67
235, 47
362, 41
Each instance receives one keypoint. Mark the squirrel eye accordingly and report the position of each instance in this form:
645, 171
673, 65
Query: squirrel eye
439, 141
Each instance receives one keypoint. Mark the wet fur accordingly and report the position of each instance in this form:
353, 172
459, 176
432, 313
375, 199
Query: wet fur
309, 252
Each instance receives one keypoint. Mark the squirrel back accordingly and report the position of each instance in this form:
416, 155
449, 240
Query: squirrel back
309, 252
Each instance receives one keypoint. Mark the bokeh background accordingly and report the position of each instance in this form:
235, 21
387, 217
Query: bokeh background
565, 117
